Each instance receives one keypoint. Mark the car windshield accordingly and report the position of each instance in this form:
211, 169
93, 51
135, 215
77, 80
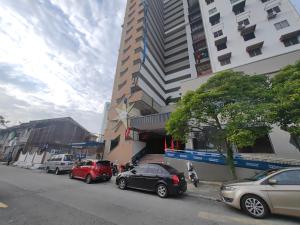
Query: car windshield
103, 163
262, 175
68, 158
170, 169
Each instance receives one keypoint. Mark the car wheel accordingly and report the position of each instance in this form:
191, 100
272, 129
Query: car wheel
162, 190
57, 172
122, 183
47, 170
88, 179
254, 206
71, 175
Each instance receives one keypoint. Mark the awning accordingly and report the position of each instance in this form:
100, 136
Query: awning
289, 35
255, 46
237, 7
221, 41
248, 30
225, 56
214, 18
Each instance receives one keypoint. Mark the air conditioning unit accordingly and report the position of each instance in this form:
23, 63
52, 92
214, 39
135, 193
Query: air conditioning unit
241, 27
271, 15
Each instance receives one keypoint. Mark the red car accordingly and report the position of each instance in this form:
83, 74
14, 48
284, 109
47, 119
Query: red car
92, 170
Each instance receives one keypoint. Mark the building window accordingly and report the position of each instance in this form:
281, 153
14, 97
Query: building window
221, 46
272, 13
114, 143
209, 1
291, 41
212, 11
123, 72
244, 22
214, 16
255, 52
239, 11
281, 25
224, 62
238, 6
218, 33
215, 22
225, 59
249, 36
274, 10
122, 85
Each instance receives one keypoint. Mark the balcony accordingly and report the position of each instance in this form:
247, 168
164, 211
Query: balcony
195, 9
144, 102
194, 18
198, 37
150, 122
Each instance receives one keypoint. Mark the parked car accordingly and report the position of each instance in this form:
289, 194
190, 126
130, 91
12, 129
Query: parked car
274, 191
154, 177
92, 170
59, 163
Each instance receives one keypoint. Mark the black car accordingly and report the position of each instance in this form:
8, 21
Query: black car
160, 178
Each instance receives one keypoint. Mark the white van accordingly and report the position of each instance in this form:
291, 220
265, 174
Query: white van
59, 163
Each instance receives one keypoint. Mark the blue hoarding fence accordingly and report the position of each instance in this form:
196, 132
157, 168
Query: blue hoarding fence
217, 158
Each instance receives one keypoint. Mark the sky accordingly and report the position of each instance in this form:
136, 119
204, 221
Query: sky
58, 58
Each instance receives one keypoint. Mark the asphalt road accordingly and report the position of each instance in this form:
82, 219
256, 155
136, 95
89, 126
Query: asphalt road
36, 198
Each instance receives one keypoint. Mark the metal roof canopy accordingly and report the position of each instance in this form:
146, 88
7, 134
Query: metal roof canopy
86, 144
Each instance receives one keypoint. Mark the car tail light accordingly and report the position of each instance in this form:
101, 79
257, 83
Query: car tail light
175, 179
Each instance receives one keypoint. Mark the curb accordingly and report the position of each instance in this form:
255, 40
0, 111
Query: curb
211, 183
203, 197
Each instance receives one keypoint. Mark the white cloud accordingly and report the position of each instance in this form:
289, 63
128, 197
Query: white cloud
59, 56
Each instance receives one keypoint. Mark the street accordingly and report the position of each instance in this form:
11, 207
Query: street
35, 198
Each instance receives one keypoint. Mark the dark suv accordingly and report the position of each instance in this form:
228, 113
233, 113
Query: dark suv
160, 178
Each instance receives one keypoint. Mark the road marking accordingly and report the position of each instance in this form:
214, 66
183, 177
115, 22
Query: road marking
2, 205
230, 219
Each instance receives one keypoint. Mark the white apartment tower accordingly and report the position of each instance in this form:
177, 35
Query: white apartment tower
241, 32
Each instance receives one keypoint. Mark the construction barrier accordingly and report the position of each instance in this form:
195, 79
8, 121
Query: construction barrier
217, 158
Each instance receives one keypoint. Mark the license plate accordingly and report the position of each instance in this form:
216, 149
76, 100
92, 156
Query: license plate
104, 174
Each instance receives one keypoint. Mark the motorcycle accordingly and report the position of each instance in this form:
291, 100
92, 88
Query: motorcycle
192, 174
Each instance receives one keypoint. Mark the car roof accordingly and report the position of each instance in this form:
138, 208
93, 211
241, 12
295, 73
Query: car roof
159, 164
95, 160
61, 154
289, 168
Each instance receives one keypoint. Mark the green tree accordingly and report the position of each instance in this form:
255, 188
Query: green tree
236, 105
3, 122
286, 95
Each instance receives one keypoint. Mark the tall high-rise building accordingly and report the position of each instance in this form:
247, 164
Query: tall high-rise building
170, 46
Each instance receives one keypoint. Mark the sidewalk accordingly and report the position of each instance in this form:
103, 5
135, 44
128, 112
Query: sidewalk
206, 190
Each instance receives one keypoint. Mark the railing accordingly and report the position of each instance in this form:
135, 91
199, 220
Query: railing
150, 122
139, 155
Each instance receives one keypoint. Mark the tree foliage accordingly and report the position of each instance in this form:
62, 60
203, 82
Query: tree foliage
286, 92
236, 105
3, 122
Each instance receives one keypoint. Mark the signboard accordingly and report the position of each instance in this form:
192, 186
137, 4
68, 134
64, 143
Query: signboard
131, 135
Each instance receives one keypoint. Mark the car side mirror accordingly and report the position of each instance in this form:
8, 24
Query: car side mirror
272, 181
133, 171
